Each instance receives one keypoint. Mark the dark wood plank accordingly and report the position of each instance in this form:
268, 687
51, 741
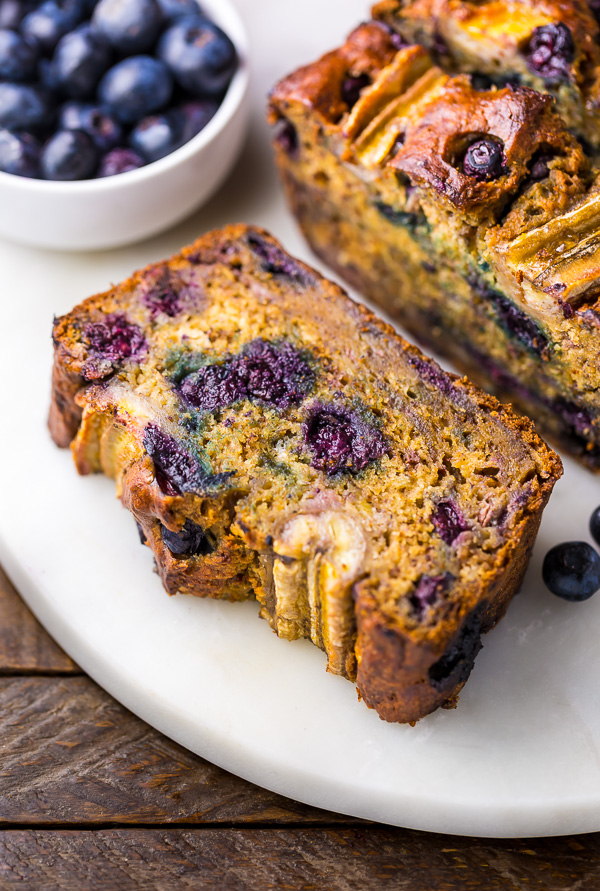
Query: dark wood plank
24, 645
317, 859
72, 755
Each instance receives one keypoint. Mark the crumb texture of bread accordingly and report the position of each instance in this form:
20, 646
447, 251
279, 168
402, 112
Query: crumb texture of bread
469, 211
274, 440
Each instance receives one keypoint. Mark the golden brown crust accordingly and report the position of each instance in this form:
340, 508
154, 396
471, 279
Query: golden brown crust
518, 118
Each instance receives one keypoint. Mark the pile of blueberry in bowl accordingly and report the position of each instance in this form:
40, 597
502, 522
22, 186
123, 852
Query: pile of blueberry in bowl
94, 88
97, 88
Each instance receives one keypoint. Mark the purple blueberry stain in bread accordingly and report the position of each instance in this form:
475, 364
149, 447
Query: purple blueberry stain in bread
456, 663
277, 374
286, 136
176, 469
432, 373
163, 298
352, 87
275, 260
448, 521
428, 590
550, 52
484, 160
190, 541
111, 343
340, 440
513, 320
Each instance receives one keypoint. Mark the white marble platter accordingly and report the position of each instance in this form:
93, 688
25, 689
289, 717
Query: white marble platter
521, 754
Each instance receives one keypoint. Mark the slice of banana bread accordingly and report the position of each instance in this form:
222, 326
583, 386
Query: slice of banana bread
471, 216
552, 46
274, 439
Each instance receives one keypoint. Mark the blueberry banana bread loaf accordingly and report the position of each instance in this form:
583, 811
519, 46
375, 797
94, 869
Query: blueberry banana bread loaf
552, 46
472, 216
275, 440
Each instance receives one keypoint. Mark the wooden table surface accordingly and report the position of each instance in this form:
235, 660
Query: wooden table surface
93, 798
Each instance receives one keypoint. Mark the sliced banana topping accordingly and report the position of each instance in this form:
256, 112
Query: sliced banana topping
317, 559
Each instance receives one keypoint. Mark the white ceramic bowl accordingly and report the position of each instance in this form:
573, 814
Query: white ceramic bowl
117, 210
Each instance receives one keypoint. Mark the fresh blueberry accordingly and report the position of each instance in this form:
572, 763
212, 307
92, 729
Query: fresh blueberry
69, 155
550, 52
135, 88
19, 154
190, 541
23, 107
18, 56
119, 160
595, 525
47, 24
571, 570
352, 86
196, 116
177, 9
12, 12
484, 160
105, 131
157, 135
201, 57
130, 26
80, 59
340, 440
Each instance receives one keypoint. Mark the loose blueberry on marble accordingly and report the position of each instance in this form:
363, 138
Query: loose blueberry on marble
69, 155
484, 160
550, 52
190, 541
352, 86
571, 570
103, 128
135, 88
448, 521
119, 160
80, 59
19, 154
130, 26
200, 56
340, 440
50, 20
24, 107
18, 56
115, 339
157, 135
595, 525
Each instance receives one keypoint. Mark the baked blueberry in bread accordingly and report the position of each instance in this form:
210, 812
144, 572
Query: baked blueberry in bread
275, 440
471, 215
553, 46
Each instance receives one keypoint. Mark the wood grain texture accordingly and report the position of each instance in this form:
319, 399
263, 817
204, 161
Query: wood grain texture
72, 755
317, 859
24, 645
